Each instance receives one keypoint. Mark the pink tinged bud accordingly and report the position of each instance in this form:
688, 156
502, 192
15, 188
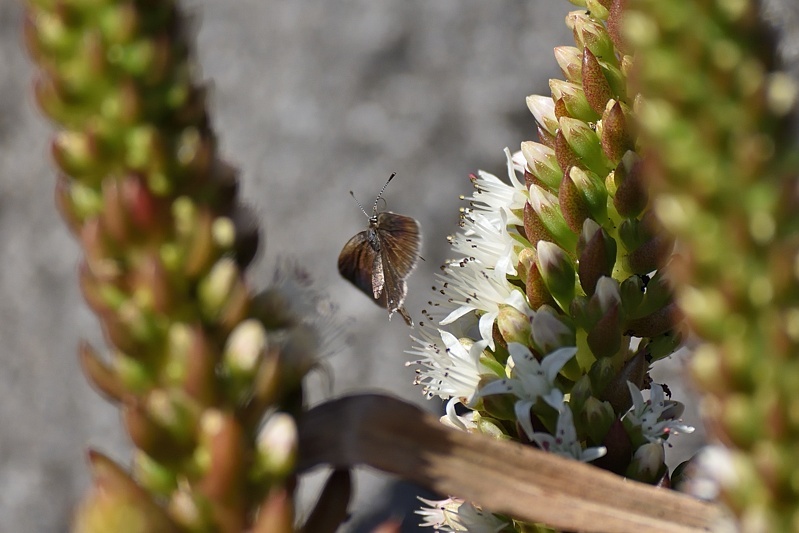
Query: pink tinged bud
117, 503
564, 153
543, 220
648, 464
619, 449
585, 143
572, 204
546, 138
598, 418
222, 439
146, 212
543, 109
151, 285
632, 194
276, 513
591, 34
651, 255
558, 272
149, 436
573, 97
66, 208
656, 323
543, 164
615, 25
551, 331
536, 290
616, 139
331, 508
514, 326
595, 85
617, 391
276, 448
596, 260
50, 97
99, 374
570, 62
605, 337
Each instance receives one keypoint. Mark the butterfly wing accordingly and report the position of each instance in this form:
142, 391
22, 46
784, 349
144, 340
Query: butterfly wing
400, 242
356, 264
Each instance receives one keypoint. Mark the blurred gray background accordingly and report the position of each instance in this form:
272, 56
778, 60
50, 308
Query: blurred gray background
311, 99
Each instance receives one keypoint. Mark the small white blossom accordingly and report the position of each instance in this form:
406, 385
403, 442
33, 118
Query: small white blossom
530, 380
471, 288
454, 514
467, 422
564, 442
450, 368
653, 415
494, 196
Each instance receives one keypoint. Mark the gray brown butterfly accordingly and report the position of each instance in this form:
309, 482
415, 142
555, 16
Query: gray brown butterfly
380, 258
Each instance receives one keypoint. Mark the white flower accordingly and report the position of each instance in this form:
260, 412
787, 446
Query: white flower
654, 416
494, 196
564, 442
489, 244
450, 368
471, 288
454, 514
530, 380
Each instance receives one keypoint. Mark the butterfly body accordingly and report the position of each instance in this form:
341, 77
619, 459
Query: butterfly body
380, 258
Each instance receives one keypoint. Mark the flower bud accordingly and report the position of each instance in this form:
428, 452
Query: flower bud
615, 25
580, 393
564, 153
619, 447
223, 295
543, 164
599, 417
599, 8
648, 464
574, 99
632, 195
595, 85
570, 62
221, 447
551, 331
591, 34
99, 374
604, 337
572, 204
655, 323
615, 137
592, 190
557, 270
157, 478
666, 344
585, 143
543, 220
632, 294
543, 109
617, 391
276, 448
536, 290
596, 260
514, 326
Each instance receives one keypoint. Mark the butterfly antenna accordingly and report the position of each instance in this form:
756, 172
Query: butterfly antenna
359, 204
380, 196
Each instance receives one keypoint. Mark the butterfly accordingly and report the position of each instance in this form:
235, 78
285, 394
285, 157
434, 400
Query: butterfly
380, 258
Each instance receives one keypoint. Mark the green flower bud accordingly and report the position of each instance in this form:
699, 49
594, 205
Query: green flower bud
599, 8
601, 373
591, 34
599, 417
152, 475
223, 295
580, 393
593, 191
616, 390
648, 464
543, 164
585, 144
514, 326
543, 220
574, 99
558, 272
632, 294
